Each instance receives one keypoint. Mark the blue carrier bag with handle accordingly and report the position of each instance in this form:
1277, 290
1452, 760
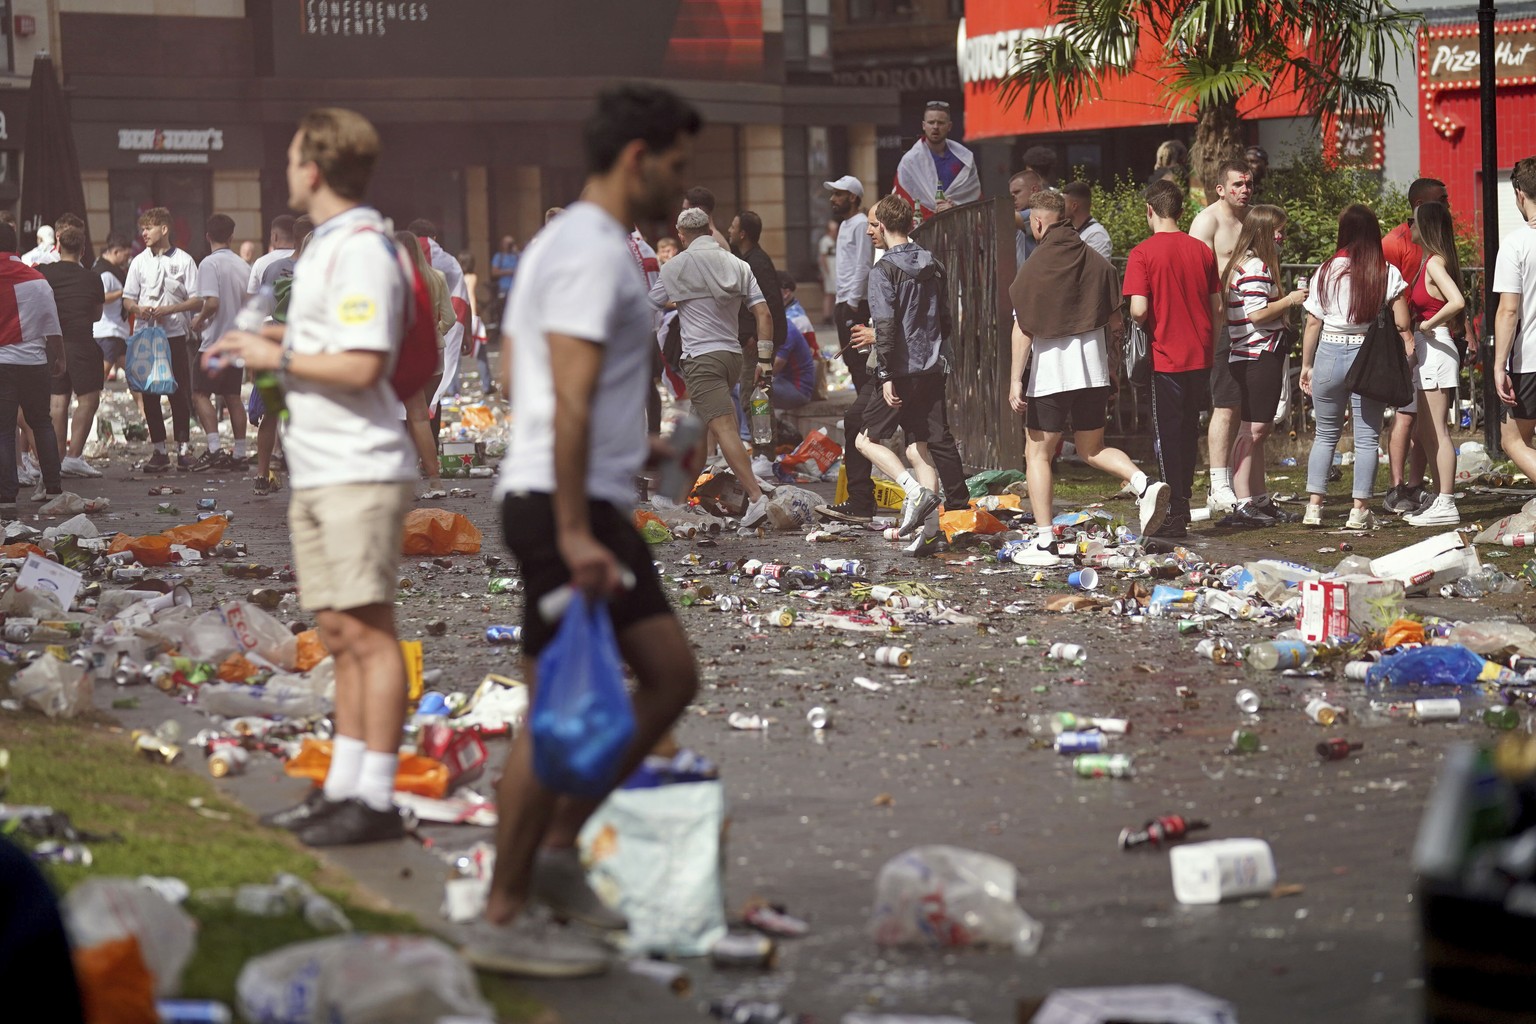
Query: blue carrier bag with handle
581, 719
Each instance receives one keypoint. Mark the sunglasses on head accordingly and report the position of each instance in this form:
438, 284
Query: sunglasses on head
937, 105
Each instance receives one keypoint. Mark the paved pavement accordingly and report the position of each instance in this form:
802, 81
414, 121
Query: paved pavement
943, 754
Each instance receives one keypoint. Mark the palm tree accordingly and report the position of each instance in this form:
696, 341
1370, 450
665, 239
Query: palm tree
1327, 53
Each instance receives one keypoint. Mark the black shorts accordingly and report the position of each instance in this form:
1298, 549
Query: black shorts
82, 370
225, 383
1224, 389
1525, 397
921, 415
1083, 409
528, 526
1259, 383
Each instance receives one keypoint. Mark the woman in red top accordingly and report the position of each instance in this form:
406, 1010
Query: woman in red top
1436, 302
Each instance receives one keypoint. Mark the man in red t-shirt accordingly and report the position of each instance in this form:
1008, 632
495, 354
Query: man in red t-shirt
1403, 448
1175, 293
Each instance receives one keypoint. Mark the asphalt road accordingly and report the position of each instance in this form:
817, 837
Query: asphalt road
944, 754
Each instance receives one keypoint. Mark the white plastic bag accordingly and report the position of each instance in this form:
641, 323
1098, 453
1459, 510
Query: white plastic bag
1472, 461
790, 508
359, 979
240, 627
59, 689
946, 896
655, 855
287, 696
107, 909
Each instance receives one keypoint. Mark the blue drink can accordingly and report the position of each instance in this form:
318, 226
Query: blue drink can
1068, 743
504, 634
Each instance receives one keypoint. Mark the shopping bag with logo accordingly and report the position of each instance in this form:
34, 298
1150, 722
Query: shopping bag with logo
148, 363
581, 717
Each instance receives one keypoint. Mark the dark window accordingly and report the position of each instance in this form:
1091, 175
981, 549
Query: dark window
187, 194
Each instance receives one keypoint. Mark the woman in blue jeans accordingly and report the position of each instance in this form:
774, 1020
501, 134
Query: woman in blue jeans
1346, 293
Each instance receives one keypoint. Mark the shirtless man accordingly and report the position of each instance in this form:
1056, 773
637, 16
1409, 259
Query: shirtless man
1218, 226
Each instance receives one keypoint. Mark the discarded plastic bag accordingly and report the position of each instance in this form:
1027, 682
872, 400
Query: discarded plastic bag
654, 854
59, 689
78, 526
21, 551
150, 550
69, 504
415, 774
643, 516
581, 719
945, 896
1472, 461
102, 910
792, 507
259, 633
1523, 521
1492, 637
359, 979
818, 449
436, 531
288, 696
654, 531
201, 536
992, 481
115, 985
969, 520
309, 650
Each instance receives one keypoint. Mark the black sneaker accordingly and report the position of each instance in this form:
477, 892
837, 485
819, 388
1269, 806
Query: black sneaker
159, 462
1175, 527
846, 512
1248, 514
263, 486
926, 545
185, 463
204, 461
1399, 500
312, 808
1278, 514
353, 822
224, 460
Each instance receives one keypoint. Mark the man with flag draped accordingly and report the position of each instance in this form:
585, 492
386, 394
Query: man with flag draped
936, 164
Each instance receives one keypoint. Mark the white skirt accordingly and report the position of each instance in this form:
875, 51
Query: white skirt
1436, 359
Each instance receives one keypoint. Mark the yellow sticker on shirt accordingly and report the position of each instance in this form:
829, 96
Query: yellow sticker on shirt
357, 309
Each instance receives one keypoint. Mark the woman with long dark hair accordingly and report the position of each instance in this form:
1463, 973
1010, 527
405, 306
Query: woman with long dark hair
1436, 302
1346, 294
1256, 309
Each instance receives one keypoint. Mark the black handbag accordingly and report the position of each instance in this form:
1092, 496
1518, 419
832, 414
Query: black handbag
1380, 371
1136, 358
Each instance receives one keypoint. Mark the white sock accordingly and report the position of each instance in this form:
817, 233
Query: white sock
1221, 479
909, 484
213, 444
1045, 540
376, 781
1139, 482
346, 762
239, 447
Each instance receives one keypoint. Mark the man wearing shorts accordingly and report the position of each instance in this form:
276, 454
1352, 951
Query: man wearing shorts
350, 464
1066, 301
909, 305
709, 287
1514, 325
221, 281
78, 295
162, 289
581, 334
1219, 226
111, 330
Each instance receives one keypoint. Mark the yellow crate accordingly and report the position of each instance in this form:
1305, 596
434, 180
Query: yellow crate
887, 494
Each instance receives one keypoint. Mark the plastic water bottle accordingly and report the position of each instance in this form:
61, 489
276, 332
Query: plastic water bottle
1278, 654
762, 417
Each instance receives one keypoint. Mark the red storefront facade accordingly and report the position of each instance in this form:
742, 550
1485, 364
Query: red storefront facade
1449, 111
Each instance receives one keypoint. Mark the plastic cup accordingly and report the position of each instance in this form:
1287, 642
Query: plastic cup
1084, 579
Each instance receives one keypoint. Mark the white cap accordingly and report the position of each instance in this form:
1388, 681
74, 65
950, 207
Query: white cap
847, 183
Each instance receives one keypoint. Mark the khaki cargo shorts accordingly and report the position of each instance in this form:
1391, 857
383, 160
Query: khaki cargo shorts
346, 543
710, 377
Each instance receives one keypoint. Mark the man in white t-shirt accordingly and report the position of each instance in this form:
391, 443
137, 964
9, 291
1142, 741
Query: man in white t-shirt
351, 466
111, 331
1066, 301
277, 262
1514, 325
580, 333
221, 281
162, 288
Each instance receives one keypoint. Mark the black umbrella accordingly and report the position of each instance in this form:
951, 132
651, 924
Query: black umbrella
50, 171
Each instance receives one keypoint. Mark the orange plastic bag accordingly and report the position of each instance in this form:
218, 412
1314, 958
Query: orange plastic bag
21, 551
201, 536
148, 550
236, 669
420, 775
311, 651
436, 531
1403, 631
973, 520
477, 417
115, 985
643, 516
817, 448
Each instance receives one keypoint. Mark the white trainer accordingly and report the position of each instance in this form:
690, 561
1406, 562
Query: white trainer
1441, 512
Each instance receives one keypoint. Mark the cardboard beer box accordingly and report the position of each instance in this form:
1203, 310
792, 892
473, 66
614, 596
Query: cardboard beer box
1341, 605
457, 458
1443, 558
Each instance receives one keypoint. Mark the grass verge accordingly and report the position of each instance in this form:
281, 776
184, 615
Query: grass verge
175, 823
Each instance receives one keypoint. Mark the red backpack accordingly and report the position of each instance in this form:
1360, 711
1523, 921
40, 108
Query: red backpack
416, 362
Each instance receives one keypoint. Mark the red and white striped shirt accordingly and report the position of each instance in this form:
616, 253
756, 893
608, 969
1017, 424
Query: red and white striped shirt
28, 315
1250, 290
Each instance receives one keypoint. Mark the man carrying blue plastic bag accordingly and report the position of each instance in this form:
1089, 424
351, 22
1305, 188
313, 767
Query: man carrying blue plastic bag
579, 330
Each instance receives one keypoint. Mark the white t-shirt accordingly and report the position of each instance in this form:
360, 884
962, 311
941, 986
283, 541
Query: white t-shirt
168, 279
578, 278
348, 295
112, 323
223, 276
855, 255
1515, 273
1068, 364
1333, 309
1096, 237
261, 269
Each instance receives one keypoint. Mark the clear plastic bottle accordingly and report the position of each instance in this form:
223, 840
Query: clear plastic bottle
1273, 655
761, 417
